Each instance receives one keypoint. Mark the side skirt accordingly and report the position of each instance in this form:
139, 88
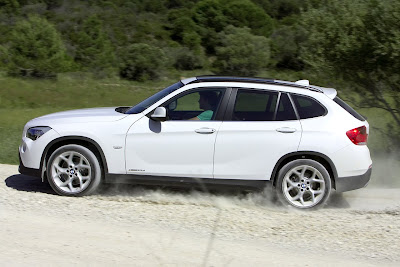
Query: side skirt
201, 183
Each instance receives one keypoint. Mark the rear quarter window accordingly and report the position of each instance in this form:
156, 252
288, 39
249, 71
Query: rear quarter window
308, 107
349, 109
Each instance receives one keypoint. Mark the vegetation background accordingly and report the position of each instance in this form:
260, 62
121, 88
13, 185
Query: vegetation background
58, 54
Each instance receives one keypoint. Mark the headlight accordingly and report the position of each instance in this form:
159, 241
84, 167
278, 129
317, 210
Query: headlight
36, 132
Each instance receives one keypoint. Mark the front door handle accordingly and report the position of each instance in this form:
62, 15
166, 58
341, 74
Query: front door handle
286, 130
205, 130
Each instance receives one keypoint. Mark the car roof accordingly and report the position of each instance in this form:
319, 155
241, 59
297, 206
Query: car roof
303, 84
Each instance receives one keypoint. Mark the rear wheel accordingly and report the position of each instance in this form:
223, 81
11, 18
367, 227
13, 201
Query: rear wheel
304, 184
73, 170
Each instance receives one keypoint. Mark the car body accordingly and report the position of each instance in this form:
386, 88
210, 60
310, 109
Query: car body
301, 139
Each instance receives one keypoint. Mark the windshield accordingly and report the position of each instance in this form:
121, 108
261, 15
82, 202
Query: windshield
153, 99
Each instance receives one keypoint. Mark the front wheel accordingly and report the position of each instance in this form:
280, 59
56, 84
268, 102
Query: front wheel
304, 184
73, 170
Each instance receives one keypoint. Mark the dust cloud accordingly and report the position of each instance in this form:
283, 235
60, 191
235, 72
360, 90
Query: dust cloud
381, 194
181, 196
385, 171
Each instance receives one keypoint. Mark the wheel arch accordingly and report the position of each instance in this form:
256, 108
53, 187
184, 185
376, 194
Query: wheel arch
319, 157
76, 140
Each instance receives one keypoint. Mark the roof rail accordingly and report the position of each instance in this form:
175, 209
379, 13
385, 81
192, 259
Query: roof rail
299, 84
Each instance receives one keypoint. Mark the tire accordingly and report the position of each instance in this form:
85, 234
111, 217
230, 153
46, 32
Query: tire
74, 170
303, 184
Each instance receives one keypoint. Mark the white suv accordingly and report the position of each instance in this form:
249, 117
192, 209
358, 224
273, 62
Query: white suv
208, 130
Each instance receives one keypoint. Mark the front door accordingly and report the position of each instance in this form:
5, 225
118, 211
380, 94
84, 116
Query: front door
182, 146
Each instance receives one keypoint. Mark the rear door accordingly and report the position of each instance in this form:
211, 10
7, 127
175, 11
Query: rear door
260, 127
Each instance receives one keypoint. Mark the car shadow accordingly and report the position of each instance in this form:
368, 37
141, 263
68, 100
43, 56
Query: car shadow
26, 183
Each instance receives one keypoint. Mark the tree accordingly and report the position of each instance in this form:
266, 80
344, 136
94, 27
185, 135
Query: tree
94, 51
3, 57
244, 13
280, 9
240, 52
359, 41
212, 16
183, 29
36, 49
9, 6
286, 43
142, 62
209, 16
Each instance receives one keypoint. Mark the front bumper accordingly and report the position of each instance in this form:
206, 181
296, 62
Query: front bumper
353, 182
28, 171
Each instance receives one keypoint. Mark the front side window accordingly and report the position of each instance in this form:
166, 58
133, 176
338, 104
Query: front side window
307, 107
253, 105
154, 98
199, 104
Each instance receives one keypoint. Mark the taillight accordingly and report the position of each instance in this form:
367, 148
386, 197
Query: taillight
358, 135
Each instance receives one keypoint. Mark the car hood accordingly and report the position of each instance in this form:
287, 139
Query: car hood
81, 115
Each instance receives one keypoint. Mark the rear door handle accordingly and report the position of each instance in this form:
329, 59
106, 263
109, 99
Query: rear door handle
286, 130
205, 130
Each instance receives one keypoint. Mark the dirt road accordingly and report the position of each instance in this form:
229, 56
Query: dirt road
127, 225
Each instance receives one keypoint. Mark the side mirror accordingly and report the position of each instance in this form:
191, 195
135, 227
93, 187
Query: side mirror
159, 114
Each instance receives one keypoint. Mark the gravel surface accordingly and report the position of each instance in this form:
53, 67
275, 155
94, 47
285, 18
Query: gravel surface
153, 227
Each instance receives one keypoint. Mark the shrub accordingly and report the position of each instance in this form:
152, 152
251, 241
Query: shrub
241, 53
285, 45
186, 59
94, 51
36, 49
244, 13
3, 57
142, 62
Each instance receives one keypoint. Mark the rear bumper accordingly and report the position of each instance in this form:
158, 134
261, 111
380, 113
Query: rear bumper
353, 182
28, 171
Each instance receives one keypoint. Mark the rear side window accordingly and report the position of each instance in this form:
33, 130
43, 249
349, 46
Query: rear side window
349, 109
254, 105
308, 107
